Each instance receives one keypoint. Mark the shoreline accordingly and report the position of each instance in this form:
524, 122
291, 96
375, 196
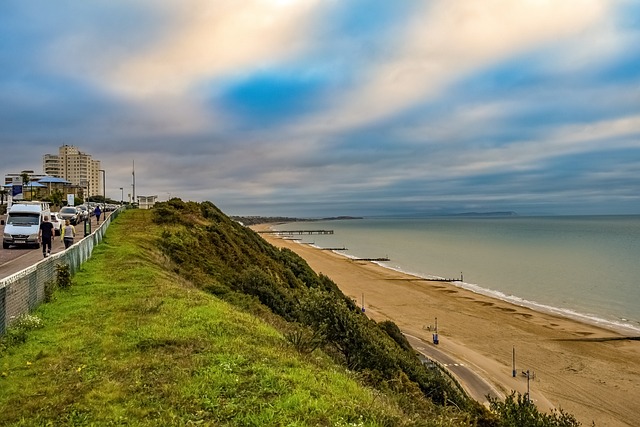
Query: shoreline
585, 369
627, 330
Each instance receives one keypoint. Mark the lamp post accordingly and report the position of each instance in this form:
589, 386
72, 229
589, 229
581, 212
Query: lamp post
104, 180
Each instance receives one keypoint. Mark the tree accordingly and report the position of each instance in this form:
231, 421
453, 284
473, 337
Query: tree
57, 197
25, 180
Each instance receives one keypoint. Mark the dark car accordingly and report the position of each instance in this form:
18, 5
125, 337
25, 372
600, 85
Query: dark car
70, 213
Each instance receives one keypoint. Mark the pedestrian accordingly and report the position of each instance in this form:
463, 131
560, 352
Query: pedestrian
97, 211
67, 234
44, 236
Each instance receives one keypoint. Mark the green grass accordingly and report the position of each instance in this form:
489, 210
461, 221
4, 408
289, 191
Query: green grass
131, 343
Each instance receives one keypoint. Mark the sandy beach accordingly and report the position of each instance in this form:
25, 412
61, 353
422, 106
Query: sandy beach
583, 369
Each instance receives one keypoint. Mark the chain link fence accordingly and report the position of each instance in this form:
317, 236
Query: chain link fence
23, 291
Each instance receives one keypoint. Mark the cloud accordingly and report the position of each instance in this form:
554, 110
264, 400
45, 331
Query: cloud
293, 106
209, 39
447, 40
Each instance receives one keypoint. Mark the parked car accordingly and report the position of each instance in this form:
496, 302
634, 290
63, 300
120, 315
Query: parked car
70, 213
57, 221
84, 212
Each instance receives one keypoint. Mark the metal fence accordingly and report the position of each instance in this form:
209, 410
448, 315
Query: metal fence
23, 291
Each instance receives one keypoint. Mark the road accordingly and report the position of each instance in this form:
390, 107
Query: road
476, 386
16, 259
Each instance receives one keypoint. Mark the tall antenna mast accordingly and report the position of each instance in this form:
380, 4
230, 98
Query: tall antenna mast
133, 174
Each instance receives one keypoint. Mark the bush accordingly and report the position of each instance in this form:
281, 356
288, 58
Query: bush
27, 322
518, 411
18, 331
50, 288
254, 281
305, 340
63, 276
396, 334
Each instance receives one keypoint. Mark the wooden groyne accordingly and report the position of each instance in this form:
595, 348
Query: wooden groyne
371, 259
333, 249
460, 279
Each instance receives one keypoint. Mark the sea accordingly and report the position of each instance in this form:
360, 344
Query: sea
581, 267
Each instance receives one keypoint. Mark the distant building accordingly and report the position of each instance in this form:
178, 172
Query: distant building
36, 186
76, 167
146, 202
16, 178
17, 189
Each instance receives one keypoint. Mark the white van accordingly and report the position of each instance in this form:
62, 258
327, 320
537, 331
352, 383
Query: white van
23, 223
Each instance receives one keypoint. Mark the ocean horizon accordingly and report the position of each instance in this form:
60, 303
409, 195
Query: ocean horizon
580, 267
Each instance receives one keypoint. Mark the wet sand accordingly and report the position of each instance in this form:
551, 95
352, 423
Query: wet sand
590, 372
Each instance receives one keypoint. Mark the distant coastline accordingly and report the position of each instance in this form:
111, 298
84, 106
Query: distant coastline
481, 214
259, 219
255, 220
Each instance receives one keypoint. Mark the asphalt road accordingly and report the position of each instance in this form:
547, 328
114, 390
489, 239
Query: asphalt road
476, 386
16, 258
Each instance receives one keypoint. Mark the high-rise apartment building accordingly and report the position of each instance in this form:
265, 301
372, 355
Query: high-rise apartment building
76, 167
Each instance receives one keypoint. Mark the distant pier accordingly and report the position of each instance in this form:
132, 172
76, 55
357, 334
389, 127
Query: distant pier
299, 232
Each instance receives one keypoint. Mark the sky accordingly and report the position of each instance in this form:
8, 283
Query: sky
323, 107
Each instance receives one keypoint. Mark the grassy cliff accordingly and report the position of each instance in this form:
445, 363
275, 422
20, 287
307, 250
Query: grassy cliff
184, 317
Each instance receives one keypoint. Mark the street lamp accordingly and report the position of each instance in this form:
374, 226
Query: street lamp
104, 179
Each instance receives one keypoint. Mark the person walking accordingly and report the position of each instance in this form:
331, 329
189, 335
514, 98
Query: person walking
67, 234
45, 235
97, 212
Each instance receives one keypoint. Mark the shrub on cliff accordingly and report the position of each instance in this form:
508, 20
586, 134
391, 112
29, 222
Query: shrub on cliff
396, 334
518, 411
